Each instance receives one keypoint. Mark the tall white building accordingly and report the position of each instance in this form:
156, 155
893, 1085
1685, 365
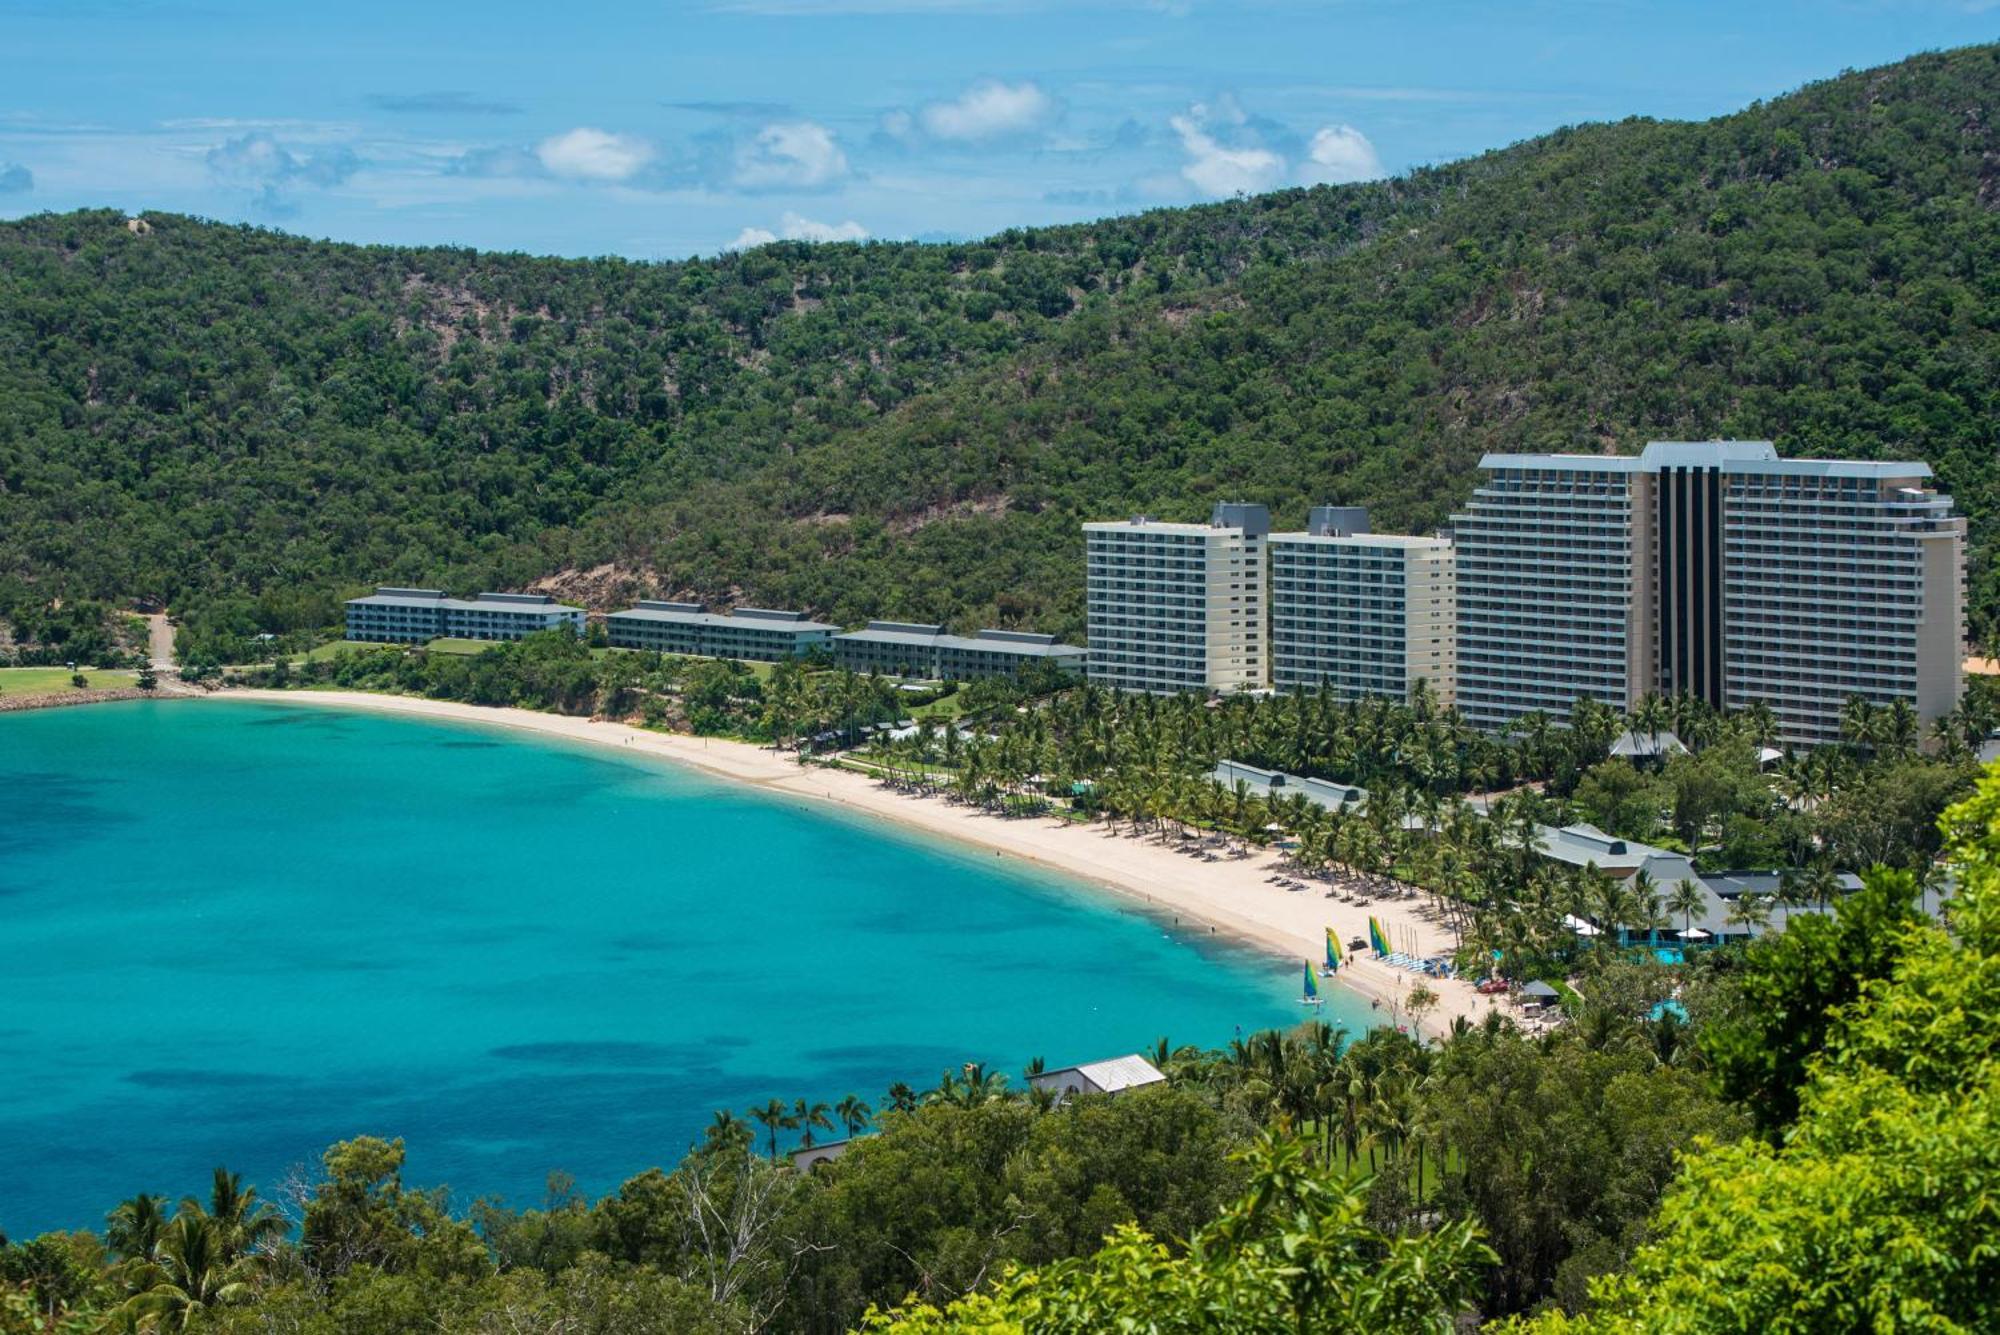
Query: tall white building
1714, 568
1179, 607
1361, 614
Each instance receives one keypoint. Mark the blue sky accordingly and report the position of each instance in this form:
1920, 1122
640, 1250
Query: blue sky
681, 127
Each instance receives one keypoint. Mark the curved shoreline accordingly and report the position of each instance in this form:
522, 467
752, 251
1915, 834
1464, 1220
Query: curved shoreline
1230, 896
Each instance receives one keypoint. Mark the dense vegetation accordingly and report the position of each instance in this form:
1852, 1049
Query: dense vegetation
1624, 1173
250, 425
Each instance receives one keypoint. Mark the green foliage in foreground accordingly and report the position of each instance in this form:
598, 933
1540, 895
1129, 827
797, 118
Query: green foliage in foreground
249, 424
1295, 1254
1881, 1208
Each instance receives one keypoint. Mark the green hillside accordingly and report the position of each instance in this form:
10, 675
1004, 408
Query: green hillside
211, 414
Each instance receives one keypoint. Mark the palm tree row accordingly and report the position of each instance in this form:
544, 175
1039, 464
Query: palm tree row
178, 1267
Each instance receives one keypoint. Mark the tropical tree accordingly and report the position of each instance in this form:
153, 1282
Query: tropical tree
810, 1115
191, 1276
774, 1117
854, 1114
1687, 898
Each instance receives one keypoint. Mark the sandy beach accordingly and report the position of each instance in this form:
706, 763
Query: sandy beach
1230, 895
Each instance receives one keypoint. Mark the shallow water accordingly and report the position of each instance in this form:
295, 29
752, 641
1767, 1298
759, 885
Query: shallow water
235, 933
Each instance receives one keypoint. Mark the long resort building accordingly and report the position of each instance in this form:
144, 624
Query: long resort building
1713, 568
1179, 607
413, 616
921, 649
1361, 614
755, 634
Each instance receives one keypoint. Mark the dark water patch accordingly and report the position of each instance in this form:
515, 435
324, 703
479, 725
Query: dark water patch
198, 1079
609, 1052
468, 745
913, 1060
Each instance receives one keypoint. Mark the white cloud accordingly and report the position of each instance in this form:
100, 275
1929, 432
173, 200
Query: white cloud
15, 179
798, 155
1220, 170
988, 110
258, 159
1339, 154
586, 154
793, 227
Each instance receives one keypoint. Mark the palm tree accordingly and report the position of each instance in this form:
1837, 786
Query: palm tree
243, 1223
854, 1113
810, 1115
1686, 899
192, 1275
902, 1098
774, 1118
132, 1231
726, 1129
1857, 720
1751, 910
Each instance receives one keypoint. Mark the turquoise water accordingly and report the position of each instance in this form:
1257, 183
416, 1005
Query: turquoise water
234, 933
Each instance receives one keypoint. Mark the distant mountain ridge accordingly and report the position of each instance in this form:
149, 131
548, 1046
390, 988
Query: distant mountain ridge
249, 424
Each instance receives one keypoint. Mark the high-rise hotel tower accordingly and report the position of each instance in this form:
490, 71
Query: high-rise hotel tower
1356, 613
1714, 568
1178, 607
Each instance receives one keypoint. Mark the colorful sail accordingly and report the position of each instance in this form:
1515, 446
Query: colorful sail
1332, 950
1376, 938
1312, 988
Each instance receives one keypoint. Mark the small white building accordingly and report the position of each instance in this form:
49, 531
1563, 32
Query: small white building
809, 1157
1114, 1075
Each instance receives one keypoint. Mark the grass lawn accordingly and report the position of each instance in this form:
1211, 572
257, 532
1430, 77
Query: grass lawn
42, 680
448, 645
950, 707
341, 648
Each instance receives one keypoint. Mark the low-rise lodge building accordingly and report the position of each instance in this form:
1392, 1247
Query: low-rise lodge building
918, 649
755, 634
1114, 1075
415, 616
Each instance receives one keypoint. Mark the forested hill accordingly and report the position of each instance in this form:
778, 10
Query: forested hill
214, 414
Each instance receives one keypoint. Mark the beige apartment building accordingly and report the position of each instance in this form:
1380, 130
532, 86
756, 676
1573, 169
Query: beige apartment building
1179, 607
1362, 614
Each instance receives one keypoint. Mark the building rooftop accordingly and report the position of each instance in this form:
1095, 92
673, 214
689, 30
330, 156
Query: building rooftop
1581, 844
1141, 523
927, 636
1114, 1073
1415, 541
1730, 456
1648, 745
1273, 783
693, 614
487, 602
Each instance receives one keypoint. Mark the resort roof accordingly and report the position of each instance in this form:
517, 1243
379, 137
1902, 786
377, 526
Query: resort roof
1648, 745
1728, 456
1272, 783
1581, 844
485, 602
693, 614
923, 635
1114, 1073
1416, 541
